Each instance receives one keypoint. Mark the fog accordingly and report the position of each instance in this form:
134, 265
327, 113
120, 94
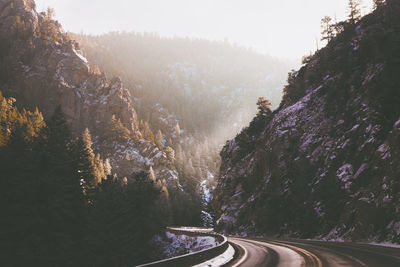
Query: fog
193, 94
284, 28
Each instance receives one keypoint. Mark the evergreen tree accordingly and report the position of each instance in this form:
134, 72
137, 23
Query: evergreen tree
107, 167
117, 130
159, 140
152, 176
264, 106
169, 151
141, 128
354, 9
327, 29
177, 130
45, 188
86, 165
100, 173
148, 134
378, 3
126, 218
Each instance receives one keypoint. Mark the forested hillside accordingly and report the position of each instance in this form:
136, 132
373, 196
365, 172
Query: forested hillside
82, 183
326, 163
191, 94
218, 80
61, 205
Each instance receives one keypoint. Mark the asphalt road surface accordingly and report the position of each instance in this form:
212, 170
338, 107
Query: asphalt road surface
294, 253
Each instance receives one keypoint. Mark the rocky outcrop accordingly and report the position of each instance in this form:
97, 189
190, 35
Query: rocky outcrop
41, 67
326, 162
46, 69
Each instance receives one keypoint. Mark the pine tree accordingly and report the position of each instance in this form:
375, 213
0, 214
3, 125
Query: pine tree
141, 127
58, 184
117, 130
50, 13
126, 218
169, 151
86, 165
100, 173
327, 29
159, 140
378, 3
354, 9
107, 167
152, 176
189, 169
264, 106
148, 134
177, 130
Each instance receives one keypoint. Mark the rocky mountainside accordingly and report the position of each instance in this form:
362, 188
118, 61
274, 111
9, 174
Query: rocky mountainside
196, 93
42, 67
215, 79
326, 163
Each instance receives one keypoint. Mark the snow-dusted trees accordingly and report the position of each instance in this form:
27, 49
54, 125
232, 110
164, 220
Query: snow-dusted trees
169, 151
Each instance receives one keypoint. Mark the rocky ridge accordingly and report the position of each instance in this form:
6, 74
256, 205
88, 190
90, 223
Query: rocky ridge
325, 164
42, 67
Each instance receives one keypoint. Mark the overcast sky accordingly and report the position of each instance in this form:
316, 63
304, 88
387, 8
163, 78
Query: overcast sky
283, 28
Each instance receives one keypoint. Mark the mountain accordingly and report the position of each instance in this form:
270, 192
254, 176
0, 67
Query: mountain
219, 80
325, 164
42, 67
197, 93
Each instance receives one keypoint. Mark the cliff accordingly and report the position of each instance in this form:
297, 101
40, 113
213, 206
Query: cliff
326, 163
42, 67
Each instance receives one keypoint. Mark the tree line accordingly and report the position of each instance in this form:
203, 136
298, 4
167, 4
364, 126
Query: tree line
330, 30
60, 203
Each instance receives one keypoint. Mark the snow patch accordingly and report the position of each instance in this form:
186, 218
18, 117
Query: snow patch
183, 244
345, 174
222, 259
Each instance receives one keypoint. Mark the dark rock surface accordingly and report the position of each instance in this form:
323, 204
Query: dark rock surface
326, 163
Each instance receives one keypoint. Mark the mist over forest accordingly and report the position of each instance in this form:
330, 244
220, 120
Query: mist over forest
126, 147
206, 89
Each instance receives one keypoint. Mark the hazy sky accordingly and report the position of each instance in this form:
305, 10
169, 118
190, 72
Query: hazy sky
284, 28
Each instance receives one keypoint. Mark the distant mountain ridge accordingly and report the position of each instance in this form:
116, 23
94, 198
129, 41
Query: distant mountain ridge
326, 163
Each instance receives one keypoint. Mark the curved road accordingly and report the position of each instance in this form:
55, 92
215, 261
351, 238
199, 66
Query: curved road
293, 253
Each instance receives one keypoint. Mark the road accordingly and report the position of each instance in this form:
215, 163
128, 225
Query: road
293, 253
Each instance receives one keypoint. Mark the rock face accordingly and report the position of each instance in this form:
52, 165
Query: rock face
326, 163
41, 67
45, 69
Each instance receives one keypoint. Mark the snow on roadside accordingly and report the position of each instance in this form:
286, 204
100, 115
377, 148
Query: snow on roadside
222, 259
384, 244
176, 245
